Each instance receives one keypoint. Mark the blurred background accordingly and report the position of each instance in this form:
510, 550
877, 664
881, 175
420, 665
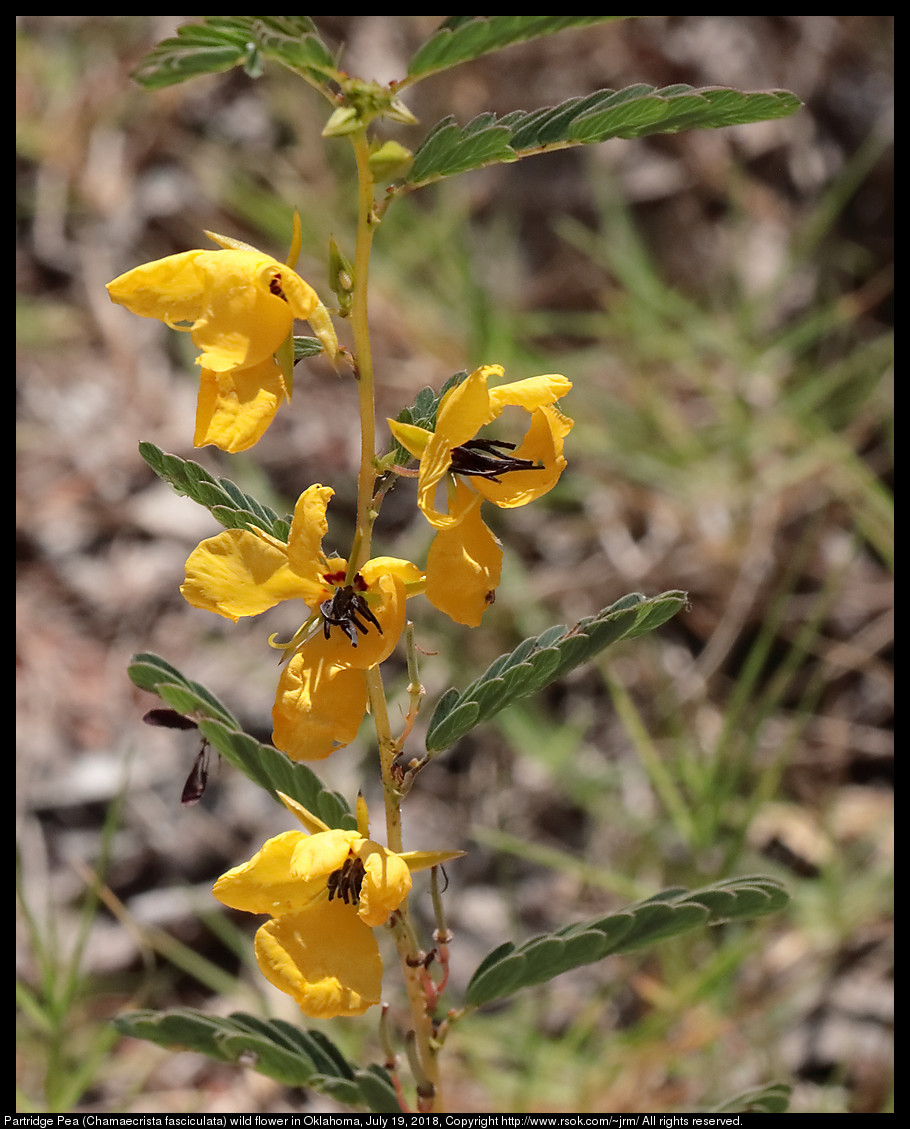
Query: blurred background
722, 302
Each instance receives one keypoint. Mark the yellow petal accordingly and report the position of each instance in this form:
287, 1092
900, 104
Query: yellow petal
267, 883
406, 571
464, 565
413, 438
318, 709
534, 392
386, 882
240, 303
308, 529
301, 297
235, 408
246, 314
462, 412
239, 573
317, 856
170, 289
542, 444
325, 958
390, 611
467, 407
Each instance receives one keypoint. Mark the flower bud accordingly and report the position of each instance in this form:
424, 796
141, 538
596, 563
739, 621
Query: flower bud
390, 161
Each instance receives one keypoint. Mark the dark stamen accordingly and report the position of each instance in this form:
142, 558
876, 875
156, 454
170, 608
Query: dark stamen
481, 459
275, 287
343, 611
347, 881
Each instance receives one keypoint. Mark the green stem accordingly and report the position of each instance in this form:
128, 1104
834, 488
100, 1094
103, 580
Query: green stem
422, 1024
360, 550
388, 750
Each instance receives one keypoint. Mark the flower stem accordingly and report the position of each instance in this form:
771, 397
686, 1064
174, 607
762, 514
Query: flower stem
360, 551
425, 1052
388, 750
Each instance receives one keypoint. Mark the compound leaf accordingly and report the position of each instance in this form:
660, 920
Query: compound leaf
669, 914
264, 764
536, 662
219, 43
635, 111
227, 503
462, 38
273, 1047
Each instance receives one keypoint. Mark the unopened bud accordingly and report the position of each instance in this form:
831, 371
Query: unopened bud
341, 277
390, 161
343, 121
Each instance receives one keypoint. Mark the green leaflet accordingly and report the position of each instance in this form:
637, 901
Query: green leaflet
538, 661
227, 503
291, 1055
148, 672
265, 765
669, 914
462, 38
219, 43
636, 111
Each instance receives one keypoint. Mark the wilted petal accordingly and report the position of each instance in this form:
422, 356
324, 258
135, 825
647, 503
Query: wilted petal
325, 958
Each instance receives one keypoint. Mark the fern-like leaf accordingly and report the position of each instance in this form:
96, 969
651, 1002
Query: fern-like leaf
538, 661
671, 913
227, 503
462, 38
635, 111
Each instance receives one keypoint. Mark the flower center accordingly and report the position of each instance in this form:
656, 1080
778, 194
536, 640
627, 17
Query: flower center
275, 287
481, 458
346, 881
347, 608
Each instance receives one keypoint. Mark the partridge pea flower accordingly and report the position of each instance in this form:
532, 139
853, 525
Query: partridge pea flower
238, 305
352, 624
458, 471
325, 891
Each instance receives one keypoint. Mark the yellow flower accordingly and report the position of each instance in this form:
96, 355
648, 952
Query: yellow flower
324, 891
238, 305
351, 627
458, 471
